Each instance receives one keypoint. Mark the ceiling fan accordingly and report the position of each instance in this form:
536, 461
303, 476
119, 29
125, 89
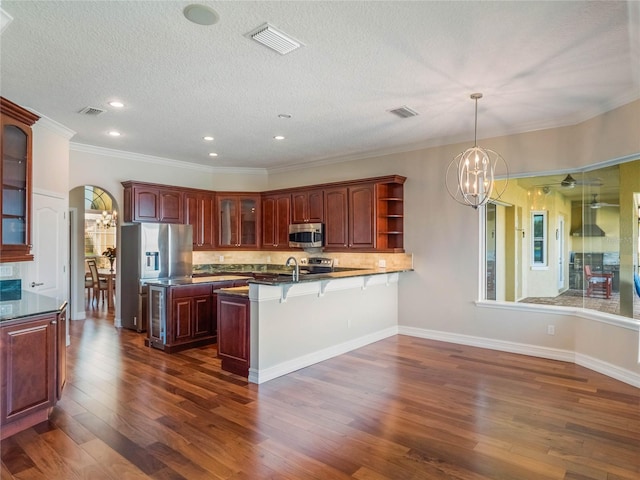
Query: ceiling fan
570, 182
596, 204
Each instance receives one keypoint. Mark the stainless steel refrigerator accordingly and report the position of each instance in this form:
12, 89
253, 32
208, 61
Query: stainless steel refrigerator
150, 251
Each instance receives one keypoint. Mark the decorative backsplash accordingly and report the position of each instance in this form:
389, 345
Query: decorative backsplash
354, 260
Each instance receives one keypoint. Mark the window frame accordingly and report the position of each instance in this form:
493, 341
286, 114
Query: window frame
544, 239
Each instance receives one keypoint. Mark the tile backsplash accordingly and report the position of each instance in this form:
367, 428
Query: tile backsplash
341, 259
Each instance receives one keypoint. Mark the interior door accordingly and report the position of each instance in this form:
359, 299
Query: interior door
47, 274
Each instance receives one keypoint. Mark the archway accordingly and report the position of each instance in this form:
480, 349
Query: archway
94, 229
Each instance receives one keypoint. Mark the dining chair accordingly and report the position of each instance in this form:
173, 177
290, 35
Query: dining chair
99, 285
598, 282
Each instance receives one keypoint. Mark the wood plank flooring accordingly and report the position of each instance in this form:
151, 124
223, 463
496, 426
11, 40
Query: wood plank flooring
402, 408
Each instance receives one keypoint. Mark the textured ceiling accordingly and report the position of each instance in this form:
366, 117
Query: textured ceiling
539, 65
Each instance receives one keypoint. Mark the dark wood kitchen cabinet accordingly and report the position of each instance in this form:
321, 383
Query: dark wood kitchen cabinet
276, 217
148, 202
349, 217
27, 371
190, 320
184, 316
15, 177
390, 214
238, 222
234, 342
199, 209
307, 205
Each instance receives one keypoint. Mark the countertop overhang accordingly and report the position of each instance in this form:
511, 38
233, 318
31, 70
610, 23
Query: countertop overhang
28, 305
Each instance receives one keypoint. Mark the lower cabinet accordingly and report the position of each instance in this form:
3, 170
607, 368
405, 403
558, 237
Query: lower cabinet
190, 314
28, 372
184, 316
233, 333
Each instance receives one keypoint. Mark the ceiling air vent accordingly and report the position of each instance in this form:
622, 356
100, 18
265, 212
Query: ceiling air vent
91, 111
276, 40
404, 112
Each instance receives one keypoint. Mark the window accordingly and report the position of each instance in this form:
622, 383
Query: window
549, 227
538, 239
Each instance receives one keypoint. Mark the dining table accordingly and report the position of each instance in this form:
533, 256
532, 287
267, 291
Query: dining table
110, 276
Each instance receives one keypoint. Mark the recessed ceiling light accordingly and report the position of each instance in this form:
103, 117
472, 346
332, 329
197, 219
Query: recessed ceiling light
113, 133
284, 115
208, 138
116, 104
213, 154
200, 14
279, 137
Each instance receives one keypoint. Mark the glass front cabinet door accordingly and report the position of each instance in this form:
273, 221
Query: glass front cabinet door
15, 175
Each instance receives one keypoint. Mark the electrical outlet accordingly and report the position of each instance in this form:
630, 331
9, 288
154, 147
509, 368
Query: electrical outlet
551, 329
221, 258
135, 320
268, 258
336, 262
6, 271
382, 263
304, 261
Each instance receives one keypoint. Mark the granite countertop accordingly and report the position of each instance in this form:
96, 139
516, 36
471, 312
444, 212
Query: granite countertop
176, 282
29, 304
282, 279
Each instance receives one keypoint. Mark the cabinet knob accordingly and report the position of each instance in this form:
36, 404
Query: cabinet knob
53, 322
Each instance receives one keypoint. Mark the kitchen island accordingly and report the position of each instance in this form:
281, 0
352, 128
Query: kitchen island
295, 324
182, 311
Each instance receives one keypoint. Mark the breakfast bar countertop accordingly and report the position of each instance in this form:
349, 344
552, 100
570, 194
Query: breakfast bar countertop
176, 282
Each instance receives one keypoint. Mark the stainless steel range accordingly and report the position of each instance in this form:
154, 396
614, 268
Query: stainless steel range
318, 265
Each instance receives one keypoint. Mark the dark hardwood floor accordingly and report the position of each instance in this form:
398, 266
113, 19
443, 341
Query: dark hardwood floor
402, 408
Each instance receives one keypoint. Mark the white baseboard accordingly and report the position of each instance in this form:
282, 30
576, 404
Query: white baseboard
79, 315
586, 361
264, 375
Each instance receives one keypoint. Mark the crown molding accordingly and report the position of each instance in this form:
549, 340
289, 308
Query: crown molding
52, 125
140, 157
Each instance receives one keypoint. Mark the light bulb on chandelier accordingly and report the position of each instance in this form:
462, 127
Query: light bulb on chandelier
108, 220
470, 177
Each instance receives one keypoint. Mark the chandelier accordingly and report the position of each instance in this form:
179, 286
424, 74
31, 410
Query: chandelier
108, 220
470, 177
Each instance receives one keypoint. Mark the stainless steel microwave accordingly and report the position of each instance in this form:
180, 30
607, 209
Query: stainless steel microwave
306, 235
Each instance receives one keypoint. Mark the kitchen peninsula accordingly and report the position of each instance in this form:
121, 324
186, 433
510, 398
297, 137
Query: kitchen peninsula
295, 324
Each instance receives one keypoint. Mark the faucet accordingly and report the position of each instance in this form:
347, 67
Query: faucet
296, 269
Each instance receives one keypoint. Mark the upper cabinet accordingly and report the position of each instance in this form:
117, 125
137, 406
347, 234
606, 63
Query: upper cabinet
390, 214
15, 176
238, 225
349, 218
147, 202
199, 208
276, 216
308, 205
366, 214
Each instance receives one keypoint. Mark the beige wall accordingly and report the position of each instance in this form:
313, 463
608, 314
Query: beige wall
441, 294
